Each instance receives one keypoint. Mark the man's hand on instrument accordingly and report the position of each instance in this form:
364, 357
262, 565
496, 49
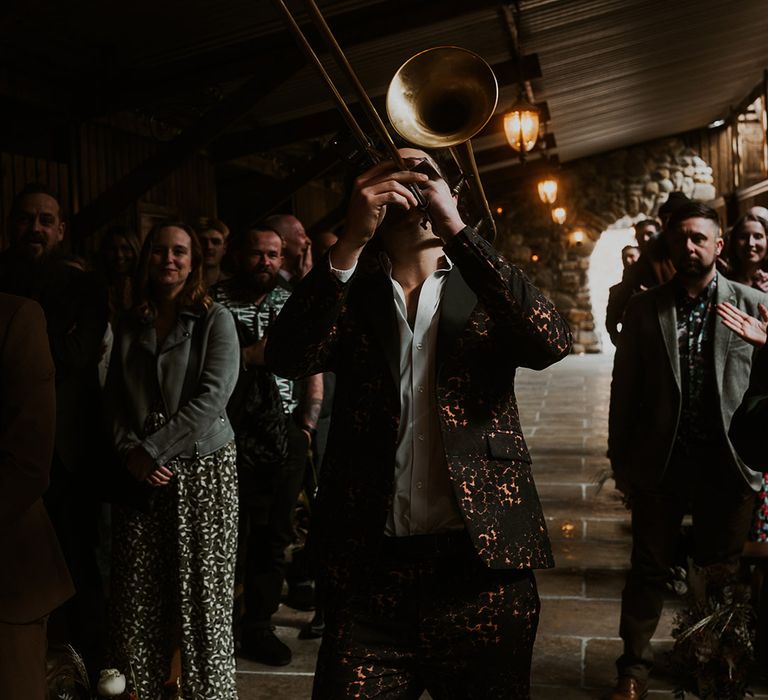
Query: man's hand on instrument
442, 208
374, 191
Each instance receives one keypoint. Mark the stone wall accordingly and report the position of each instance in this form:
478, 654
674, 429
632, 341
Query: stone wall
596, 192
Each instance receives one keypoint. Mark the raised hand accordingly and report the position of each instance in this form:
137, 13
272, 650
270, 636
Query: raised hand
751, 329
305, 264
760, 280
374, 191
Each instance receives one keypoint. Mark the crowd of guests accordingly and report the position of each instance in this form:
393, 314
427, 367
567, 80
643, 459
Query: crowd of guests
144, 378
161, 405
688, 402
187, 379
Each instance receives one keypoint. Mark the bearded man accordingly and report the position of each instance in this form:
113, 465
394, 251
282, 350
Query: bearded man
272, 449
678, 377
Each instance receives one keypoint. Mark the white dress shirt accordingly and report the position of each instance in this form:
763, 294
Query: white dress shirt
424, 501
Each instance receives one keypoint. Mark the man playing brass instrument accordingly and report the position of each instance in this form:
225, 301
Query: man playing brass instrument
428, 524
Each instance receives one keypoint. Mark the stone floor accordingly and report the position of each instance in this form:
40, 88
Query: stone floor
564, 411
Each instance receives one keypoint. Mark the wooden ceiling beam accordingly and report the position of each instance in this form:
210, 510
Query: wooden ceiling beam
238, 144
255, 55
502, 153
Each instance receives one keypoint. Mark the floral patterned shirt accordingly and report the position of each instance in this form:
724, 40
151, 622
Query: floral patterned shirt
695, 331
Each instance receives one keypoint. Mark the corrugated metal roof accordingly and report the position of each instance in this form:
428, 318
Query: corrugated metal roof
617, 72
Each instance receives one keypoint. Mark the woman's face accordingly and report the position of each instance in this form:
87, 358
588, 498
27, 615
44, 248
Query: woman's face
170, 260
751, 242
119, 256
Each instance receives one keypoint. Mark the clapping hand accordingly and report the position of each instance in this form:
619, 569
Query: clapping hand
751, 329
760, 280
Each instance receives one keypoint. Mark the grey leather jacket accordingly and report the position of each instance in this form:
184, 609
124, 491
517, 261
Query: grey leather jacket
197, 422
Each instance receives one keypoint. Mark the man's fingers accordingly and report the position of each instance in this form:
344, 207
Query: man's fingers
763, 311
391, 192
386, 170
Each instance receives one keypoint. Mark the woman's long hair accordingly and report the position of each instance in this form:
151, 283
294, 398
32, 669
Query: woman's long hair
731, 252
194, 294
109, 238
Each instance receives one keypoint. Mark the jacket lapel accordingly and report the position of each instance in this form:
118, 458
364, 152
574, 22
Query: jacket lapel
722, 336
381, 307
665, 306
457, 305
182, 331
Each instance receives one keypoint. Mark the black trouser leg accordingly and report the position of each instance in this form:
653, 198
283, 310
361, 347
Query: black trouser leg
270, 533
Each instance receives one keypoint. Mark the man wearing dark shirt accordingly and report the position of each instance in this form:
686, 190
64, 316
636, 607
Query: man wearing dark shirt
678, 376
75, 306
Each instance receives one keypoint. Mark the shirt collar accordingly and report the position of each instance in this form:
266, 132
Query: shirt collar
445, 265
705, 295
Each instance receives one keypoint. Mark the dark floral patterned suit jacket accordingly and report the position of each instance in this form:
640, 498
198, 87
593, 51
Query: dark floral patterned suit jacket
493, 320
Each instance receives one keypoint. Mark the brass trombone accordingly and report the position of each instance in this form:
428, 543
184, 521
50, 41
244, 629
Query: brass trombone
439, 98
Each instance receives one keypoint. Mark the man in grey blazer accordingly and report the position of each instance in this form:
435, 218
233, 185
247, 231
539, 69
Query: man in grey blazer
678, 377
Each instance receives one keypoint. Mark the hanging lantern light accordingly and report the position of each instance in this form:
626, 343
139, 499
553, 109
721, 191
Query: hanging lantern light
521, 125
578, 237
559, 215
548, 190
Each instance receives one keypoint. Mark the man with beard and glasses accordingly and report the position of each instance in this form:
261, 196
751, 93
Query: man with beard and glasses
274, 421
427, 523
678, 377
76, 307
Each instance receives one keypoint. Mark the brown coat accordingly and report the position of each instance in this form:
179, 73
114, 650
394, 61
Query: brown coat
33, 576
492, 321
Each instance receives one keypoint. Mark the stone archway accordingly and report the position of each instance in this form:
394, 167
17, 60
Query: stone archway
598, 192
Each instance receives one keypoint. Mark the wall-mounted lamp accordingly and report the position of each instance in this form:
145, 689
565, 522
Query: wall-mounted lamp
578, 237
534, 257
548, 190
499, 210
521, 125
559, 215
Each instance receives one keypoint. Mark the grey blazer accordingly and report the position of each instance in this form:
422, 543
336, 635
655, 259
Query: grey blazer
197, 418
646, 387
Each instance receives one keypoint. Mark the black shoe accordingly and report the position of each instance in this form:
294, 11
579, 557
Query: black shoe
263, 645
315, 628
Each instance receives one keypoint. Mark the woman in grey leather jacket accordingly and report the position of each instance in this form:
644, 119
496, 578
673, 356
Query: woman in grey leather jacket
175, 363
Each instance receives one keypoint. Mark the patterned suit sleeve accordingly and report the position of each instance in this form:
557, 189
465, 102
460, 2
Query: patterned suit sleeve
541, 335
302, 340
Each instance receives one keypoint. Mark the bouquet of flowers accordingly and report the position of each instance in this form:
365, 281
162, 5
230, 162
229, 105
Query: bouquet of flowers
714, 635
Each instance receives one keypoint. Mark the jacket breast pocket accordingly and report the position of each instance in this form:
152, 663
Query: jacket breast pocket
509, 446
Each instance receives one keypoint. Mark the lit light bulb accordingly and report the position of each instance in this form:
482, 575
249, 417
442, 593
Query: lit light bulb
521, 125
548, 190
559, 215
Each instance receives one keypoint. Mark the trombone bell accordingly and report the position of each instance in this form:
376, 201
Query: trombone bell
442, 97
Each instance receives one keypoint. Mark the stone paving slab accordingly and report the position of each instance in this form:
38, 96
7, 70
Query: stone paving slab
274, 685
589, 617
557, 661
579, 554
